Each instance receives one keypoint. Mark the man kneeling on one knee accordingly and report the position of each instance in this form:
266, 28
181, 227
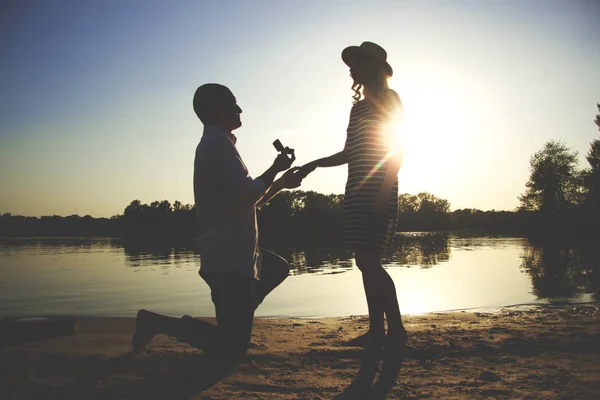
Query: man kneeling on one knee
239, 274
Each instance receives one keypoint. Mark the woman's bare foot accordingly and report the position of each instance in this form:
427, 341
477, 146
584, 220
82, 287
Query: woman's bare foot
368, 340
396, 341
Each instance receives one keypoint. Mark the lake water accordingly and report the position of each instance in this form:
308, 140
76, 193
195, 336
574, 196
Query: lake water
432, 272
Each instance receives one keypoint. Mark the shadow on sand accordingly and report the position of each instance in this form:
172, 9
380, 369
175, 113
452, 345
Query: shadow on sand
173, 376
181, 383
176, 379
364, 385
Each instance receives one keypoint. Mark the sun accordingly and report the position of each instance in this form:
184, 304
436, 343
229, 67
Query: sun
434, 136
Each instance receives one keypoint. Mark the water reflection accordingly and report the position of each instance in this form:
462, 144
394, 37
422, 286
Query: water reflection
408, 249
561, 269
317, 259
108, 277
57, 245
558, 268
424, 249
141, 255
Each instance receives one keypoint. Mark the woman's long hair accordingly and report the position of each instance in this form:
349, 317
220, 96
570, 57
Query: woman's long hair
376, 80
385, 100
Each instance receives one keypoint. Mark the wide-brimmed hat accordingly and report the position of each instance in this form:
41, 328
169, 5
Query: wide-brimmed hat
369, 50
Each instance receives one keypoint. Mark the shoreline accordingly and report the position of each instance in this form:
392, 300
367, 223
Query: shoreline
549, 352
485, 310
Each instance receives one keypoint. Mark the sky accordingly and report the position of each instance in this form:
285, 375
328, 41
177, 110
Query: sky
96, 104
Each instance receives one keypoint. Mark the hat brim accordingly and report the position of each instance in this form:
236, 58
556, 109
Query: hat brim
351, 53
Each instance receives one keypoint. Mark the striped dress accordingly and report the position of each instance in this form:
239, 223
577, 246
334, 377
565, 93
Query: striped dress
366, 147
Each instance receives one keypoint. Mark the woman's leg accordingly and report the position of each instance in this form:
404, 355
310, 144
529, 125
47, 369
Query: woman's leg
367, 264
381, 295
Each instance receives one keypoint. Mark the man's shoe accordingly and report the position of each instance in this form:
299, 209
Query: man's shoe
144, 332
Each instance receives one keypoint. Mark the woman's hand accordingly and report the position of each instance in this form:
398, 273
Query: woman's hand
307, 169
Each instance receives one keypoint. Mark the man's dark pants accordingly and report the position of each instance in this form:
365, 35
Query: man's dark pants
236, 297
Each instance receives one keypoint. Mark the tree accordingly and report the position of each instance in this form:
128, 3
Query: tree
318, 216
554, 183
423, 211
591, 177
422, 203
177, 205
133, 209
407, 203
165, 208
430, 204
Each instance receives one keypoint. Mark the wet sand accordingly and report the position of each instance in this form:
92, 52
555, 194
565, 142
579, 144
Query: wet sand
544, 353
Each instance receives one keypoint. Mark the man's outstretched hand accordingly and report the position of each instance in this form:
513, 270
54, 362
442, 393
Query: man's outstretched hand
290, 179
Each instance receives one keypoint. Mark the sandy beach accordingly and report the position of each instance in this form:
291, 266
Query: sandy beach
544, 353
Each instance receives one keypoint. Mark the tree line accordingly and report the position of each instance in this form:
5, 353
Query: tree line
291, 217
559, 198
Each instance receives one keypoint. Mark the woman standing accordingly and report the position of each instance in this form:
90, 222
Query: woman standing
371, 195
